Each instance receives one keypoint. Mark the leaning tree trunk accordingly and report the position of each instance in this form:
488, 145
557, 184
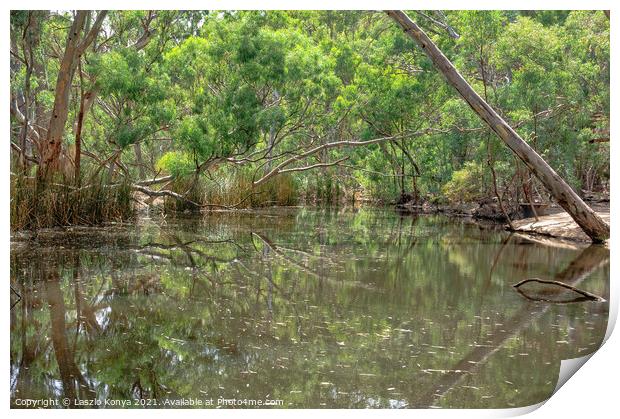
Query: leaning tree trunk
583, 215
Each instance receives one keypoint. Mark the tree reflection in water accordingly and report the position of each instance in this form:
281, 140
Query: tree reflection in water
317, 308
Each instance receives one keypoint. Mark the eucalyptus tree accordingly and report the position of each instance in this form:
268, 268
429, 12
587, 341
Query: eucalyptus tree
163, 99
80, 35
243, 89
584, 216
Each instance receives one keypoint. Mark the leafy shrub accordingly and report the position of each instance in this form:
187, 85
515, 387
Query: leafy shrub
466, 184
176, 163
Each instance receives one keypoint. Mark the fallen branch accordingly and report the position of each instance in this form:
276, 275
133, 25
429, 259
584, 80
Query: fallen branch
155, 181
164, 193
586, 294
171, 194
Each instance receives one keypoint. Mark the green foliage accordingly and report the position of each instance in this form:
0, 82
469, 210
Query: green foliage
176, 163
139, 91
234, 88
466, 184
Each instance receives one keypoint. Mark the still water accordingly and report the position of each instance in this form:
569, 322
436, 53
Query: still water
297, 308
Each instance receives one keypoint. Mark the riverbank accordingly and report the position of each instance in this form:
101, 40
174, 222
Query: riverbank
559, 224
555, 223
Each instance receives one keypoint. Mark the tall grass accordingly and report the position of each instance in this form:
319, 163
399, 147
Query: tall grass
323, 188
39, 204
193, 189
232, 188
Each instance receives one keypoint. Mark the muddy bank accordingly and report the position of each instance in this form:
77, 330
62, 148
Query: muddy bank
558, 224
551, 221
487, 210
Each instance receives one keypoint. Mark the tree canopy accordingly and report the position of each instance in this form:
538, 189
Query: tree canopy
205, 104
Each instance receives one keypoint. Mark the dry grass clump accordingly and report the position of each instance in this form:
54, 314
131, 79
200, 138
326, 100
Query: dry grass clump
37, 204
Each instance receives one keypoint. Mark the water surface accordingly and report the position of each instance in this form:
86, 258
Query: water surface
310, 308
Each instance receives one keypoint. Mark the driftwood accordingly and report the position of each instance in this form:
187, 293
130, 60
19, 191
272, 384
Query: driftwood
587, 295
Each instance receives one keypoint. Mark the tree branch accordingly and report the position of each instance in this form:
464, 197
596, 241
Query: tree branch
155, 181
163, 193
586, 294
26, 156
94, 31
347, 143
313, 166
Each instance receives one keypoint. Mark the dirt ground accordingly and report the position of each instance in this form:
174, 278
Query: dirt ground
559, 224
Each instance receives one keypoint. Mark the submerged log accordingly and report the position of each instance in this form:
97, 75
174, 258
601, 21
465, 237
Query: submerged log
585, 294
586, 263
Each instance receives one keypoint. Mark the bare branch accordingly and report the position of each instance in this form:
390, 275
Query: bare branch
155, 181
21, 118
148, 33
180, 197
313, 166
443, 25
586, 294
171, 194
347, 143
26, 156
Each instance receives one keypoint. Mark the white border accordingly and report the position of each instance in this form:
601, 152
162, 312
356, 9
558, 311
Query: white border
591, 393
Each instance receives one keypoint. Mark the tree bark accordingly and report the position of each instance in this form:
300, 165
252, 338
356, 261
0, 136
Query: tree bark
138, 151
51, 147
583, 215
77, 160
74, 48
30, 42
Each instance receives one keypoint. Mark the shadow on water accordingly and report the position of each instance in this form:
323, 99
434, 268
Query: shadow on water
315, 308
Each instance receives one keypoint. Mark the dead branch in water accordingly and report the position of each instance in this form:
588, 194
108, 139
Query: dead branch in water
586, 294
181, 197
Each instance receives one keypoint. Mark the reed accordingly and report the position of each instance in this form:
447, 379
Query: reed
39, 204
192, 188
231, 188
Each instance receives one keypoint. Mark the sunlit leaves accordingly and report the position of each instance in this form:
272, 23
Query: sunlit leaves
176, 163
211, 85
